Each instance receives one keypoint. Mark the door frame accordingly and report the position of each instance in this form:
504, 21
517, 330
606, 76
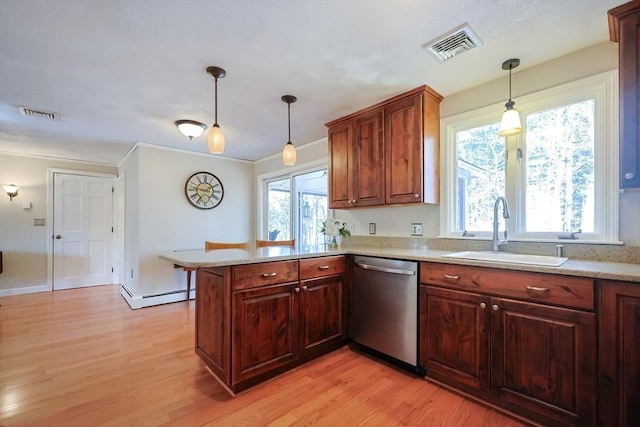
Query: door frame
50, 219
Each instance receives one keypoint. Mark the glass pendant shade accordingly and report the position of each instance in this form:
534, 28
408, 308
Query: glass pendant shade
289, 154
510, 124
215, 140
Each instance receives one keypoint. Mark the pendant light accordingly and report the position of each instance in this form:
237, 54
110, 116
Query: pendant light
289, 152
215, 137
510, 124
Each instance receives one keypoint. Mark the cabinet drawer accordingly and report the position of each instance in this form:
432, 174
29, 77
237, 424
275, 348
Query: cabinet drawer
262, 274
576, 292
321, 267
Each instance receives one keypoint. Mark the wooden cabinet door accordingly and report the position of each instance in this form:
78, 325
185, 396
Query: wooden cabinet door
265, 330
341, 165
213, 314
369, 161
624, 27
619, 354
543, 360
403, 151
322, 319
454, 338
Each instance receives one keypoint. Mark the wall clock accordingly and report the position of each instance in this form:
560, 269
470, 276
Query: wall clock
204, 190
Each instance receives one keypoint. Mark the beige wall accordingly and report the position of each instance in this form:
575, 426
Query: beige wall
166, 221
308, 153
24, 245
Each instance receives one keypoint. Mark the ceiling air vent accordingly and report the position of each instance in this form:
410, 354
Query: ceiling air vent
39, 113
453, 43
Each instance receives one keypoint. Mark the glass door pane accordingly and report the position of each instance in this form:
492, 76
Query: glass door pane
279, 209
311, 201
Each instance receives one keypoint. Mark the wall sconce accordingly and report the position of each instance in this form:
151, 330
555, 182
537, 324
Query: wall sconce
510, 124
289, 151
190, 128
11, 190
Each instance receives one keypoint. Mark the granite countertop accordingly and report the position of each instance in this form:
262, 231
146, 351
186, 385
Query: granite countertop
225, 257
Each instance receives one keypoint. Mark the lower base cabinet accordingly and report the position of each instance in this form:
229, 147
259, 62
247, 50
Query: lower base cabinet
256, 321
531, 359
265, 330
322, 316
619, 354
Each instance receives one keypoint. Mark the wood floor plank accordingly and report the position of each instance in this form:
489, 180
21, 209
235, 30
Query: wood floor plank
82, 357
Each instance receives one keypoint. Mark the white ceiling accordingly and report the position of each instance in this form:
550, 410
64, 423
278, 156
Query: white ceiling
123, 71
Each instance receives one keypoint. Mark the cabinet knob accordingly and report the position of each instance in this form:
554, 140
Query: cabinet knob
305, 288
269, 274
628, 175
417, 196
58, 237
495, 307
324, 267
483, 305
296, 289
355, 201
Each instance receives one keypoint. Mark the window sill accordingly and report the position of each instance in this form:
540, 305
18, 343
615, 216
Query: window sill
530, 240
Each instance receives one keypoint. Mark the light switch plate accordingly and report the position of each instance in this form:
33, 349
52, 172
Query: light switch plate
372, 228
416, 229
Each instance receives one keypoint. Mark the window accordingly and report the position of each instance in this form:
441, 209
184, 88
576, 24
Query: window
295, 206
559, 175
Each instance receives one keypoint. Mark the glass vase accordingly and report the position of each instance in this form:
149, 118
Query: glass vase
333, 242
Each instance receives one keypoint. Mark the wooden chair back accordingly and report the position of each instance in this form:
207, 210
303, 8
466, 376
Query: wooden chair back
209, 246
263, 243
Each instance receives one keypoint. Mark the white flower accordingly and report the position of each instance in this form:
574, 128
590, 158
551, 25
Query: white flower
335, 227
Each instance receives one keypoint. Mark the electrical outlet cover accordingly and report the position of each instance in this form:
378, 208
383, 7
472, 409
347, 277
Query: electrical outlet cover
416, 229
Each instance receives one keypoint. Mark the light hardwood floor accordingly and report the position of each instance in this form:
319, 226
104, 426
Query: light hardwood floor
83, 358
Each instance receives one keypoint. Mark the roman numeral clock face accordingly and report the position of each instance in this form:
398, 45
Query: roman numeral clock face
204, 190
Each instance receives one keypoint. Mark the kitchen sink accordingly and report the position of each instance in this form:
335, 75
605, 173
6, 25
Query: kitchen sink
508, 257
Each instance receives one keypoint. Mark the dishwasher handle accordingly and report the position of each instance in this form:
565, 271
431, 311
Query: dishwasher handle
385, 269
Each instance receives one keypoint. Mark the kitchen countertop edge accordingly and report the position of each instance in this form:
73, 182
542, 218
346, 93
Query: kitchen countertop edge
220, 258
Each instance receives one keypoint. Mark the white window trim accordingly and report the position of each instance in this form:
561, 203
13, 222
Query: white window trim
603, 88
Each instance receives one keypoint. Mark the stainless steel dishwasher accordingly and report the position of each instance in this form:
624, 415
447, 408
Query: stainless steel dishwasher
385, 308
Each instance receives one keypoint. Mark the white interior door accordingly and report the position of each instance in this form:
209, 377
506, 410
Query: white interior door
83, 244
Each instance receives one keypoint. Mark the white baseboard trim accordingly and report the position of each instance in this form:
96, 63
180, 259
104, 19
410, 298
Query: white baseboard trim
25, 290
140, 301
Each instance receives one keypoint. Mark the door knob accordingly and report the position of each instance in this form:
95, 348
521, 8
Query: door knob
58, 237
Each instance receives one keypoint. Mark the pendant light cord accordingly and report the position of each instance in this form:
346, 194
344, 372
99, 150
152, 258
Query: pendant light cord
289, 119
510, 68
216, 100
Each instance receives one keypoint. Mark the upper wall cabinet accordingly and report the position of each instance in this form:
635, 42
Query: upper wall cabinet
386, 154
624, 28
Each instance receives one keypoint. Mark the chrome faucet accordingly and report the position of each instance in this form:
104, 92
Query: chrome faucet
495, 242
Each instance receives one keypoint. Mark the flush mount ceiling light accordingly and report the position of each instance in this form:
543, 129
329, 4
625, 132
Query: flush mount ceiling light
215, 138
289, 152
11, 190
510, 124
190, 128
